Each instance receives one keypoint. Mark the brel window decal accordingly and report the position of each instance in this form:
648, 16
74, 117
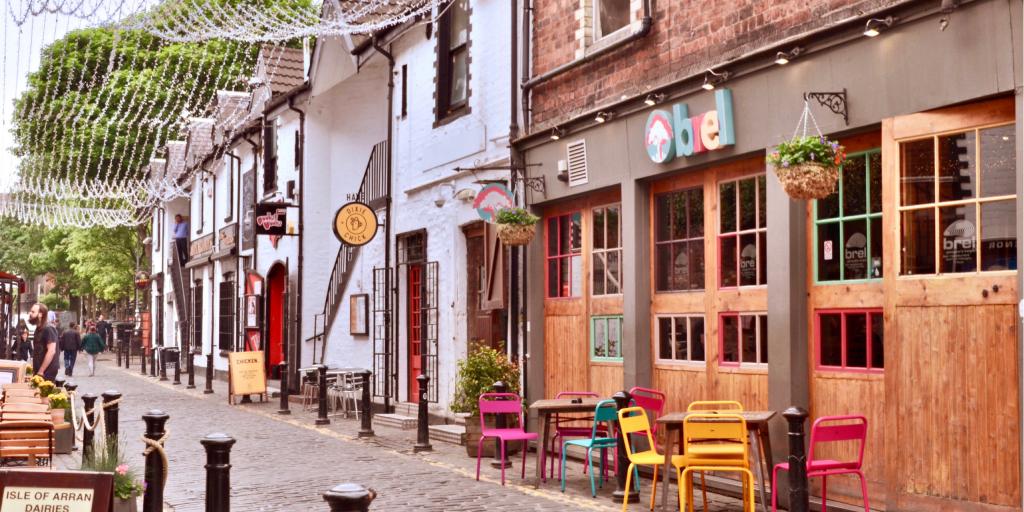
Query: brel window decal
669, 136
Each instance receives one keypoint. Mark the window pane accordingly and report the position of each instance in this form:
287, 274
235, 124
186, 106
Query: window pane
577, 238
611, 15
576, 276
678, 212
828, 208
615, 337
855, 249
599, 274
460, 70
663, 267
614, 268
552, 236
918, 242
762, 202
762, 325
957, 167
730, 339
459, 23
959, 239
748, 204
563, 277
854, 187
877, 341
856, 340
875, 165
598, 231
695, 207
876, 247
917, 172
696, 254
998, 163
553, 278
828, 252
748, 259
762, 258
999, 236
696, 339
727, 248
663, 217
665, 338
727, 204
748, 333
681, 269
600, 337
681, 338
564, 234
612, 233
830, 333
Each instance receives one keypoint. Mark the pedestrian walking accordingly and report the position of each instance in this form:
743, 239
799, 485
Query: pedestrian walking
103, 329
181, 238
24, 346
70, 344
44, 343
92, 344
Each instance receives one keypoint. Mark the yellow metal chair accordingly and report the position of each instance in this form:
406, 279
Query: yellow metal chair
710, 406
633, 421
714, 442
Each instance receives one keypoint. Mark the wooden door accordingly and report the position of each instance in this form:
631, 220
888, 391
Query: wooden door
485, 277
415, 324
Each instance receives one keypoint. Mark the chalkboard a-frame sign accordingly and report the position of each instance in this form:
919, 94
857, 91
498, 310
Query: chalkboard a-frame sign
74, 491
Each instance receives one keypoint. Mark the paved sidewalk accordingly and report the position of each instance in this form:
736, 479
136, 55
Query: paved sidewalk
283, 463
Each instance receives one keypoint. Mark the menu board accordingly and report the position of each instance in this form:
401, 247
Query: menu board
246, 374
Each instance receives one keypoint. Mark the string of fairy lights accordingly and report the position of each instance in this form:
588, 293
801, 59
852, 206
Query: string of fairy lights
96, 123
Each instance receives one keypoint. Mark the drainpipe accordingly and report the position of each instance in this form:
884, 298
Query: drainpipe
236, 177
301, 161
525, 52
517, 172
391, 329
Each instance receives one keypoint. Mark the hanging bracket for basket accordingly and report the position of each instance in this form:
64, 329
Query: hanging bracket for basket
834, 101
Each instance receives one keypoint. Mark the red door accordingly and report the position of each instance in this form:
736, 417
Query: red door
415, 329
275, 317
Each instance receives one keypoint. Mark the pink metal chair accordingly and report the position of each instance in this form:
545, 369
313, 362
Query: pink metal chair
574, 429
502, 403
652, 401
832, 429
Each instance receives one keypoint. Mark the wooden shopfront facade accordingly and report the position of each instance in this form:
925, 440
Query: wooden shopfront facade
896, 298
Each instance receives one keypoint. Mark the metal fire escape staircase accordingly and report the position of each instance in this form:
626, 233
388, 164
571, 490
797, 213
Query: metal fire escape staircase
372, 191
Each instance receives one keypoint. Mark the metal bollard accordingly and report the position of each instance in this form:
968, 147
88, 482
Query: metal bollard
163, 364
71, 387
799, 499
283, 368
422, 419
218, 471
153, 498
349, 498
366, 408
59, 382
127, 347
142, 360
119, 349
209, 374
500, 421
89, 400
321, 416
191, 365
110, 414
622, 399
152, 362
177, 367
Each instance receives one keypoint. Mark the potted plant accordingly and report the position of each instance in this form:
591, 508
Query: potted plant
516, 226
59, 405
127, 486
46, 388
808, 166
36, 380
477, 374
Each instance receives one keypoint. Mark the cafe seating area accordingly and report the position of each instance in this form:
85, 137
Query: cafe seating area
26, 427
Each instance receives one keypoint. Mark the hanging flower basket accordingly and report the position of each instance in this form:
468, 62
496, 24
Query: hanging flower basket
808, 166
516, 226
808, 180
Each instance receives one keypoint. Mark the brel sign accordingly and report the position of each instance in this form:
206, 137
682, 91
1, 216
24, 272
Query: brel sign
672, 135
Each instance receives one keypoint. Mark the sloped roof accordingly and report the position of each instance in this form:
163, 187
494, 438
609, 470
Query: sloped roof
280, 68
200, 139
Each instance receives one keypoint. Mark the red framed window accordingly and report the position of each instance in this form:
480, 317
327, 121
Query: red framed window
743, 339
850, 339
564, 256
742, 228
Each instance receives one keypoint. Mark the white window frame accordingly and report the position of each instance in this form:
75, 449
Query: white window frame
688, 361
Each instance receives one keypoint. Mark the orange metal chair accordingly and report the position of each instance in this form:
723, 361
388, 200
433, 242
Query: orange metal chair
714, 442
633, 421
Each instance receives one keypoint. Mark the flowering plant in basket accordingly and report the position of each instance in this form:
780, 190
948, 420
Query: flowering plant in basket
808, 166
515, 225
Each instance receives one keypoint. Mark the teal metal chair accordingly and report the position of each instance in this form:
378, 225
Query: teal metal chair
606, 413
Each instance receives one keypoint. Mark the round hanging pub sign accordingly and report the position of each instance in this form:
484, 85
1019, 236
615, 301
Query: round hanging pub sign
355, 223
659, 137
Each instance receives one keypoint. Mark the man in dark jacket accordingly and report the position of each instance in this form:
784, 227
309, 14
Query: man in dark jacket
44, 343
103, 329
70, 342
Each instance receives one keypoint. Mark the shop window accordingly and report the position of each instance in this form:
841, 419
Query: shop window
850, 340
957, 202
606, 338
681, 338
607, 251
742, 229
848, 224
679, 240
744, 339
609, 16
564, 256
226, 314
453, 59
269, 156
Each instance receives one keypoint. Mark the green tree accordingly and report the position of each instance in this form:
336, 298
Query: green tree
104, 260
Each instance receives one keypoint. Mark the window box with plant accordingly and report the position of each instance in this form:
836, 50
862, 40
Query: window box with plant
516, 226
477, 374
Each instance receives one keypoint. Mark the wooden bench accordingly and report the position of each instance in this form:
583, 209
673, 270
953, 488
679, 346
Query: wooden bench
31, 441
24, 407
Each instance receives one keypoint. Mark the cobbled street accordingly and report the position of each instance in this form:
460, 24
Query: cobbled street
283, 463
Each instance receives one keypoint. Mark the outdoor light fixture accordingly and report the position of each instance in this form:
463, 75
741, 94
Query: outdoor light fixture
875, 26
711, 79
602, 116
556, 133
783, 58
654, 98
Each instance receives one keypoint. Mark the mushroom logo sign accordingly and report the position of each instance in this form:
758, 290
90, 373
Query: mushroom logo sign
490, 199
668, 136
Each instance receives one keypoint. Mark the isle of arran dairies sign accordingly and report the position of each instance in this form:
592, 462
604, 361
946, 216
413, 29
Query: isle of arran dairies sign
671, 135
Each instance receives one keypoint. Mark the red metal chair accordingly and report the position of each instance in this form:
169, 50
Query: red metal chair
502, 403
832, 429
575, 429
652, 401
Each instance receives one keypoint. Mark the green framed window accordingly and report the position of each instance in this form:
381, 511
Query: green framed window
606, 338
848, 223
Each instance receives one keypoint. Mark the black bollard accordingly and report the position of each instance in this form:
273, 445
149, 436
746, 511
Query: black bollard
127, 355
209, 374
110, 414
366, 408
283, 368
218, 471
59, 383
152, 362
423, 419
153, 498
118, 350
622, 399
176, 355
799, 499
71, 387
349, 498
163, 364
191, 365
142, 360
89, 400
321, 416
500, 422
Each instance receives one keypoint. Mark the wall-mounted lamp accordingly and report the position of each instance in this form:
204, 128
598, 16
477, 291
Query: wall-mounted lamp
563, 171
783, 58
557, 133
875, 26
654, 98
466, 195
711, 79
602, 116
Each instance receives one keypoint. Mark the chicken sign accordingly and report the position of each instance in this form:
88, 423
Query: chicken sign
671, 135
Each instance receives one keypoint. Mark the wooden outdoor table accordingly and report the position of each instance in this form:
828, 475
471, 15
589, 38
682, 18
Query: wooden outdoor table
545, 408
757, 430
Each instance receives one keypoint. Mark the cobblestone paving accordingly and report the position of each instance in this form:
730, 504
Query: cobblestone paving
284, 463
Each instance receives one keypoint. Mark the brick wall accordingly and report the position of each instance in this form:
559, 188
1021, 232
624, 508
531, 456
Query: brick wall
687, 36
